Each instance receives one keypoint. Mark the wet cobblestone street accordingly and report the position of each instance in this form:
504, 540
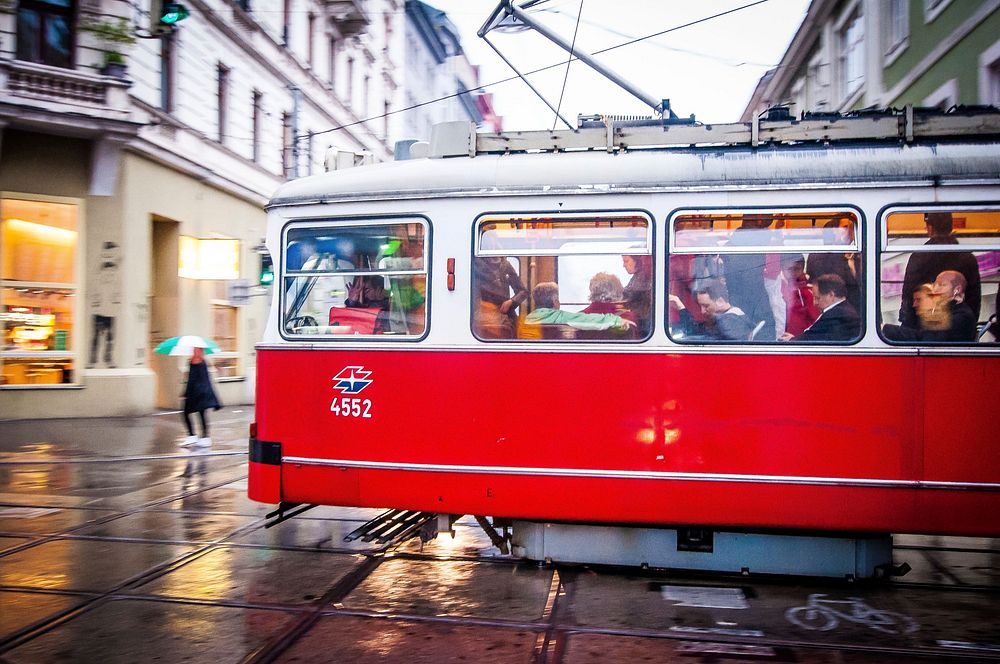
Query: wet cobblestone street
118, 546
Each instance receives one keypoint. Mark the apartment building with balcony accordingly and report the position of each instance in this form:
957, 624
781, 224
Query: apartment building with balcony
131, 202
854, 54
437, 68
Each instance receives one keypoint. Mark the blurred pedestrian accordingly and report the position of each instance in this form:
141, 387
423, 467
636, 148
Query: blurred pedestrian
199, 396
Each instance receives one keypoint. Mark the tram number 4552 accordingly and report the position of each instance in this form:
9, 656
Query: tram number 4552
351, 407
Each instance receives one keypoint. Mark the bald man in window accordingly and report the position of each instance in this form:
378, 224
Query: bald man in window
944, 316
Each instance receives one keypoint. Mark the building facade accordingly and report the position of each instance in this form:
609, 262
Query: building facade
854, 54
437, 70
131, 202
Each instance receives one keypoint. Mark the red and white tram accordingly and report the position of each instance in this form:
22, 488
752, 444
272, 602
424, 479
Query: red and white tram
412, 361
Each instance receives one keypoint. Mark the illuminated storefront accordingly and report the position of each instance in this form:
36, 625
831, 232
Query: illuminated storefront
39, 245
90, 283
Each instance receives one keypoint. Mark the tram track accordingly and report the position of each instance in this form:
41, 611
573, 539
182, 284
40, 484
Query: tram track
556, 630
31, 631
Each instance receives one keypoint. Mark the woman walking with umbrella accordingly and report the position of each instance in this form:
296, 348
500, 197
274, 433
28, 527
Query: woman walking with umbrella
198, 394
198, 398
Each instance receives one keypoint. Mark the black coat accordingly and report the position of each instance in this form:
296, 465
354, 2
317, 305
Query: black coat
198, 394
923, 268
820, 264
841, 323
745, 280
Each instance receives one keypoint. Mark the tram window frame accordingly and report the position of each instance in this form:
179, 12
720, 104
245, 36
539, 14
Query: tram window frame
332, 224
894, 252
567, 334
804, 249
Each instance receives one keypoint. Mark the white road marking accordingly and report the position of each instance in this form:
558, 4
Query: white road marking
705, 597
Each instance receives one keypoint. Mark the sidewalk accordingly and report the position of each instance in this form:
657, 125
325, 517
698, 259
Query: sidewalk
154, 435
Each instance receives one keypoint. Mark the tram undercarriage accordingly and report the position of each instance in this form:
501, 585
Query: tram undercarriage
837, 555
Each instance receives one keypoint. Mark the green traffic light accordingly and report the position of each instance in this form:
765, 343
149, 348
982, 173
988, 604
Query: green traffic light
266, 270
173, 12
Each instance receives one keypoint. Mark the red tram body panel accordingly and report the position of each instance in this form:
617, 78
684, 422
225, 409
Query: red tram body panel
790, 449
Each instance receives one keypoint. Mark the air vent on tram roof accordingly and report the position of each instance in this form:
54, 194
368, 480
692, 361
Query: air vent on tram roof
337, 159
410, 149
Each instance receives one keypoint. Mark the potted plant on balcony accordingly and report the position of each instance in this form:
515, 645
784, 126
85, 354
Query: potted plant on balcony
114, 33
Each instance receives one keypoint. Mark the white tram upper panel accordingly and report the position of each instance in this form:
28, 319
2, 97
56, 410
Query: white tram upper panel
666, 170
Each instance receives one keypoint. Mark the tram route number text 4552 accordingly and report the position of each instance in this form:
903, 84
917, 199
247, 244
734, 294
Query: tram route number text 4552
351, 407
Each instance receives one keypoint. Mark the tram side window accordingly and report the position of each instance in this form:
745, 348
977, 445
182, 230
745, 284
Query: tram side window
939, 273
583, 278
341, 280
765, 277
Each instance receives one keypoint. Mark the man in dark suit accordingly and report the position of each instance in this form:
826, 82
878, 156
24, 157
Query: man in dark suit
838, 320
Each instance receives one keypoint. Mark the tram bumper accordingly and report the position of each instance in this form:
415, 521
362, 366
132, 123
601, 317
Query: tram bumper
264, 481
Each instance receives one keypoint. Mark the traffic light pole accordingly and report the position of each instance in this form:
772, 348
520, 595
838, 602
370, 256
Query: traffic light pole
296, 94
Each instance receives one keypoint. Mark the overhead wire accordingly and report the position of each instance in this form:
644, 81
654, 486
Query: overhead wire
540, 69
708, 56
572, 50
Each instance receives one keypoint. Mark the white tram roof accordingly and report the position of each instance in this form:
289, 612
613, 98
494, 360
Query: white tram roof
953, 150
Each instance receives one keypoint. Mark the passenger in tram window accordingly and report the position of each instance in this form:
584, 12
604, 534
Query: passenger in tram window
639, 290
943, 313
367, 291
548, 313
846, 265
407, 294
932, 311
774, 284
923, 267
801, 310
838, 319
495, 279
745, 274
688, 274
722, 322
607, 296
993, 328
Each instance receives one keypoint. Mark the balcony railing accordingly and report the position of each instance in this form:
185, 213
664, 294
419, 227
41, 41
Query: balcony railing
350, 16
58, 90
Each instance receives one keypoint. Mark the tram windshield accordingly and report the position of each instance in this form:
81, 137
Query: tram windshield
354, 278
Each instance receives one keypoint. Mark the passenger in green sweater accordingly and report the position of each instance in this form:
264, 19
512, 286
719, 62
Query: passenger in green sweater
547, 312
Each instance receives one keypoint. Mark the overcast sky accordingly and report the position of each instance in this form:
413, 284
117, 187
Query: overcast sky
709, 69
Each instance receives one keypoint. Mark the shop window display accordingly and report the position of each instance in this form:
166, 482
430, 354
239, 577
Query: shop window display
224, 325
38, 292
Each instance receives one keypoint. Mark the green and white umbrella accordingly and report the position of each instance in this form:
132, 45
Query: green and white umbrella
186, 344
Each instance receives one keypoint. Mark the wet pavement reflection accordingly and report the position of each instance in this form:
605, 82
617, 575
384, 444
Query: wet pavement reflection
366, 641
118, 546
120, 631
254, 576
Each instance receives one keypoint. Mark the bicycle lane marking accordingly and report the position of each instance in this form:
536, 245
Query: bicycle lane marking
824, 615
